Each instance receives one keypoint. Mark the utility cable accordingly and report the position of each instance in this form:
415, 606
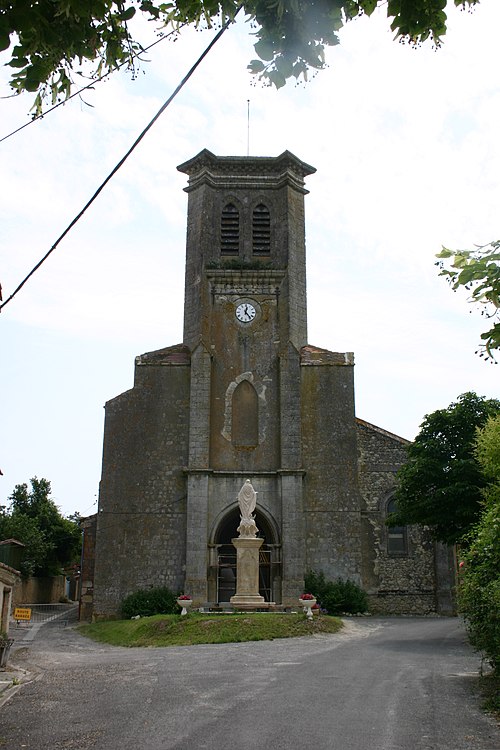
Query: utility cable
88, 86
123, 160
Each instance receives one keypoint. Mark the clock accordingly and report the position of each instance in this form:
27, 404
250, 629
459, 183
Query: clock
245, 312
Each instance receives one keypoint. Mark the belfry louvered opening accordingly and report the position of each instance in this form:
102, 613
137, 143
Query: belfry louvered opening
230, 230
261, 230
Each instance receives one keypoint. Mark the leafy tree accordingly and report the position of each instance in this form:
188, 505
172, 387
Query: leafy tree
479, 590
50, 39
52, 541
478, 271
441, 484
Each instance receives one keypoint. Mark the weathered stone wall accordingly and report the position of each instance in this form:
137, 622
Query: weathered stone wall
402, 582
141, 529
332, 501
9, 577
39, 590
89, 529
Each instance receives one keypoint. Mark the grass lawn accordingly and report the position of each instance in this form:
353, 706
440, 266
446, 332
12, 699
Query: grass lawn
174, 630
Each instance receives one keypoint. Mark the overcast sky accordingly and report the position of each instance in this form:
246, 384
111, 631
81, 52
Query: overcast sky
405, 143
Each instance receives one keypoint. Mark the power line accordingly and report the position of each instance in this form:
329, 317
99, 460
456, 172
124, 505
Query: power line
124, 158
88, 86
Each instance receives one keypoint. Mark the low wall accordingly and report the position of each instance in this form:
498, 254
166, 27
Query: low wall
39, 590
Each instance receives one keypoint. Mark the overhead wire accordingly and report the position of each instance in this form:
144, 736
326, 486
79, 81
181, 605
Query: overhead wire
88, 86
101, 187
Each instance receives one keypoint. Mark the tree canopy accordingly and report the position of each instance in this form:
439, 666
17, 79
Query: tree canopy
442, 483
478, 271
52, 541
48, 41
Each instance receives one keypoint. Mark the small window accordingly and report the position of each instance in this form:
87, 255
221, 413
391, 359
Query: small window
230, 230
396, 535
261, 230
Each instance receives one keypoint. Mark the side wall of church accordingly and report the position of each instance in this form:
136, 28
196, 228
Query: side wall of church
141, 531
332, 502
401, 581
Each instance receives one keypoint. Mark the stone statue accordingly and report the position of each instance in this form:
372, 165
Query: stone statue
247, 500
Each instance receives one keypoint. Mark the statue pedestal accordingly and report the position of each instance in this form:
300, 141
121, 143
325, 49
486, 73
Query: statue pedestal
247, 573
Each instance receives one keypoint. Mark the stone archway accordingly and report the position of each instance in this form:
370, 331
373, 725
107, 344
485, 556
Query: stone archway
222, 573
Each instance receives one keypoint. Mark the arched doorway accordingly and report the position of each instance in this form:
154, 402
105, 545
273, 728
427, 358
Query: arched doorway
222, 574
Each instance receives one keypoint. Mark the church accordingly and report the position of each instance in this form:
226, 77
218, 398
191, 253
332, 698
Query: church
246, 397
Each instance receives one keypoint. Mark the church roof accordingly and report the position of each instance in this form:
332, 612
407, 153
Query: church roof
179, 354
314, 355
381, 431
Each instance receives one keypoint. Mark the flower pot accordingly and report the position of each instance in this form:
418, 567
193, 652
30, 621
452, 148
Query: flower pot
308, 604
185, 604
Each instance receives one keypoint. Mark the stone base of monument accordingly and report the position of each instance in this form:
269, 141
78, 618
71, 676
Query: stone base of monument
247, 574
250, 604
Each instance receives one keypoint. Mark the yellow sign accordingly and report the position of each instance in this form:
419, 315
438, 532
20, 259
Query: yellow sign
22, 613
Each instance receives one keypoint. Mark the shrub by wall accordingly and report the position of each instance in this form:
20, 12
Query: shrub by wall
336, 597
159, 601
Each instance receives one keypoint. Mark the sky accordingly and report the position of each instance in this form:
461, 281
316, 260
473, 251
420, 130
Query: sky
405, 143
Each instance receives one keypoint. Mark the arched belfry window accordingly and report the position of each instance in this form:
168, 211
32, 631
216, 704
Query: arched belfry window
245, 416
261, 230
230, 230
397, 543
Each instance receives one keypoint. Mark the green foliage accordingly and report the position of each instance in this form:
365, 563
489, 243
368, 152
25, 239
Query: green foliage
441, 484
478, 271
479, 590
488, 450
52, 541
147, 602
49, 40
336, 597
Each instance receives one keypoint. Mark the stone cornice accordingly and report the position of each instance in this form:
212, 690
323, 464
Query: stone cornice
245, 473
246, 172
240, 281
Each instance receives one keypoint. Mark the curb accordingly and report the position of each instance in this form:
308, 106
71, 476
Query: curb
12, 679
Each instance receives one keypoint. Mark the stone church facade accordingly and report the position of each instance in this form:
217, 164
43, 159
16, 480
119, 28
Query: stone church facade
244, 396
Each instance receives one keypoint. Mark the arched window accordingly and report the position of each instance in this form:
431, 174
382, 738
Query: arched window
261, 230
396, 535
230, 230
245, 416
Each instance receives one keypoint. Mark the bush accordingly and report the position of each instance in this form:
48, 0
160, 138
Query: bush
479, 587
147, 602
336, 597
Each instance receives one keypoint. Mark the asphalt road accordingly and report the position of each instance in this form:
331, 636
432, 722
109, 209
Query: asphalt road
381, 684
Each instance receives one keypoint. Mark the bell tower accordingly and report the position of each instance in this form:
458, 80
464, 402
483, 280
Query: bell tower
244, 323
245, 235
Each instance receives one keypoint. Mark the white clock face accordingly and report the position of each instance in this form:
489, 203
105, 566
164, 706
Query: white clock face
245, 312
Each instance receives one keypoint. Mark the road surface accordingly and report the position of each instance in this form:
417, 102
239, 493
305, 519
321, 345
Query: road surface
380, 684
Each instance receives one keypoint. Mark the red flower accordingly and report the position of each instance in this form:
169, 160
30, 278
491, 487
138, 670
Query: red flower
184, 597
307, 596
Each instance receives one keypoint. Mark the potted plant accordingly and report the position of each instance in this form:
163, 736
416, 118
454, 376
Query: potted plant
307, 601
185, 602
5, 644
